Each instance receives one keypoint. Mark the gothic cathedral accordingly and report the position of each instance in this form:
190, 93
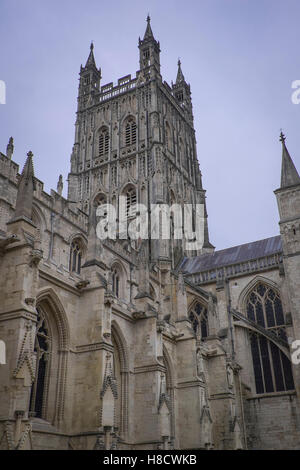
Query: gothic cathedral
124, 343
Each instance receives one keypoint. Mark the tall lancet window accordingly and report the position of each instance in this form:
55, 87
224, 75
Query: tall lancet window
130, 202
75, 256
116, 282
272, 368
103, 142
42, 349
198, 317
130, 132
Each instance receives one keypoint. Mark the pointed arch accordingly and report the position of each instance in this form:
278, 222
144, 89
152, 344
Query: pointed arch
36, 210
99, 198
198, 315
78, 249
122, 345
262, 306
103, 141
51, 312
50, 297
130, 193
130, 131
121, 354
250, 286
119, 278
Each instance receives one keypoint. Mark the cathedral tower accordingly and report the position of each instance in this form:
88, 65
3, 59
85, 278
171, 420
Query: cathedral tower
137, 139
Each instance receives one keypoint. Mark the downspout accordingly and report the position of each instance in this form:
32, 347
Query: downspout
242, 412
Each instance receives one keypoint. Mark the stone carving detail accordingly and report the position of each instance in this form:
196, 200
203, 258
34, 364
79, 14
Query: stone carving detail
230, 377
109, 379
13, 440
26, 357
164, 397
200, 365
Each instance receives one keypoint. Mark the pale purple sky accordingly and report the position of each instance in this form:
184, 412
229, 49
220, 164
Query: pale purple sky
240, 57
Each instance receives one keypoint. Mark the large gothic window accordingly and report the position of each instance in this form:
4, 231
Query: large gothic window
272, 368
103, 142
198, 317
130, 132
42, 349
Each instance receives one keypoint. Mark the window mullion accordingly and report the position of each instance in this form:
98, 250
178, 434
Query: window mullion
261, 363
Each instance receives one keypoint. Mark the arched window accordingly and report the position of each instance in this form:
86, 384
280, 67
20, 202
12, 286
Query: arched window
116, 281
272, 368
130, 202
130, 132
121, 375
42, 349
75, 256
198, 317
103, 142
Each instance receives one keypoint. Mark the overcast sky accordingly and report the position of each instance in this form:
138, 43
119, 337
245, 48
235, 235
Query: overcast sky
239, 56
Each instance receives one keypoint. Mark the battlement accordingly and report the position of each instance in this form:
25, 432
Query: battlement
109, 91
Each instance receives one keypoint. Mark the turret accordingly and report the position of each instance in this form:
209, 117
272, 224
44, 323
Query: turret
26, 187
149, 53
89, 81
10, 148
182, 91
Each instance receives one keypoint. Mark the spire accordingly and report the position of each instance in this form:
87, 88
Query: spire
148, 33
60, 185
180, 77
289, 174
26, 187
149, 53
91, 58
10, 148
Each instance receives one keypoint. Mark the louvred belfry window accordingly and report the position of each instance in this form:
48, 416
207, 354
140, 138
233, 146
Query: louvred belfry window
130, 202
130, 132
272, 368
103, 142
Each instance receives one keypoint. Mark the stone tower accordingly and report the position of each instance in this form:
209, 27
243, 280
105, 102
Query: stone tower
137, 139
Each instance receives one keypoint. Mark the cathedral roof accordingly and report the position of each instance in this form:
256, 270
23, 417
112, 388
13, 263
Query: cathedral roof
232, 255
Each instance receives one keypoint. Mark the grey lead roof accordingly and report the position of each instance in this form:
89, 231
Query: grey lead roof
233, 255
